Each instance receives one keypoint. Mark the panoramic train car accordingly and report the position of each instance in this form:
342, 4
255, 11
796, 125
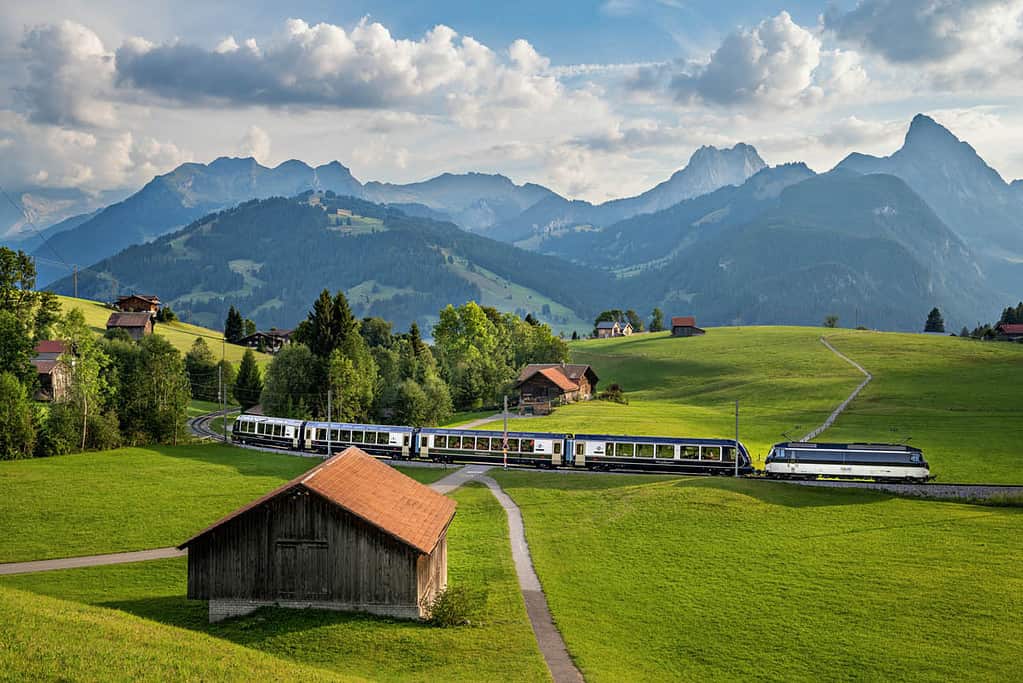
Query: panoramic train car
796, 460
658, 453
536, 449
384, 440
274, 432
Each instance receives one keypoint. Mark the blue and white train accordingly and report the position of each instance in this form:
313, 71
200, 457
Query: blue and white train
800, 460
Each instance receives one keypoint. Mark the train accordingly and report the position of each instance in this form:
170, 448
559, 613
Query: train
605, 452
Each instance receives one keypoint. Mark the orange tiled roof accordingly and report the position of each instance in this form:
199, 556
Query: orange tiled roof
560, 380
683, 321
128, 320
396, 504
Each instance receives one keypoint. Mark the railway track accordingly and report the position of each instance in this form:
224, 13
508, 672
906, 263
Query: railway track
201, 426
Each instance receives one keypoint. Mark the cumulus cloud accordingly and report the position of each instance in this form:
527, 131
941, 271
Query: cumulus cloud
325, 65
70, 73
255, 144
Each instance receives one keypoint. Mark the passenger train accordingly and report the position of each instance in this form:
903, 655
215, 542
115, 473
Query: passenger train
789, 460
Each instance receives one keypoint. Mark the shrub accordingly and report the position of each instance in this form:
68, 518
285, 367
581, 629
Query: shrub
456, 606
614, 393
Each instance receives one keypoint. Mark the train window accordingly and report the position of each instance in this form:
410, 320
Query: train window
440, 441
625, 450
691, 452
557, 448
344, 435
609, 448
665, 451
278, 430
406, 439
513, 445
357, 437
321, 434
580, 448
710, 453
383, 438
526, 445
915, 457
729, 453
644, 450
454, 442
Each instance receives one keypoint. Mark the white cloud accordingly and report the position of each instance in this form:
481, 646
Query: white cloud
255, 144
70, 73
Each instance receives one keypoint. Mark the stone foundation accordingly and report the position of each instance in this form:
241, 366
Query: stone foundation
226, 609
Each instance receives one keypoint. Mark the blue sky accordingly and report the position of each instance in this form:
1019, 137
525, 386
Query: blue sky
596, 100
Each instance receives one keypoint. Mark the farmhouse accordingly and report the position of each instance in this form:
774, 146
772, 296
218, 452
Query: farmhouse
52, 372
138, 303
137, 325
685, 326
352, 534
613, 328
1010, 332
271, 342
541, 386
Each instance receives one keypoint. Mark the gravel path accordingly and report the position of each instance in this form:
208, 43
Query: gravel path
972, 492
89, 561
844, 404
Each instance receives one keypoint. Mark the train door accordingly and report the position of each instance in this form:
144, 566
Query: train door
569, 451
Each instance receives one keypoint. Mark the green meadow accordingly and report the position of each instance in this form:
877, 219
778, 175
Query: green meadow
660, 578
147, 629
961, 401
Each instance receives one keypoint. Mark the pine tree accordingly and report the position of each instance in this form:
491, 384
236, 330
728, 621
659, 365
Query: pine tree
656, 320
234, 326
935, 323
249, 384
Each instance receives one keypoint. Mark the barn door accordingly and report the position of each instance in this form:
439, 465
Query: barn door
301, 570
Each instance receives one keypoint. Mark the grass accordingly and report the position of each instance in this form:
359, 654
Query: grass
461, 418
960, 401
499, 646
658, 578
181, 335
134, 498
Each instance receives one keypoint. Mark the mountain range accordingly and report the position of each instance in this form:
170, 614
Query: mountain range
877, 240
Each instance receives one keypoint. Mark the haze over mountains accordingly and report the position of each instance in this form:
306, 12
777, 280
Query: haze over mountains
877, 240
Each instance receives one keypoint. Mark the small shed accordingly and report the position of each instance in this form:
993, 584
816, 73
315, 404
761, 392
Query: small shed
613, 328
137, 325
270, 342
1010, 332
139, 303
685, 326
52, 372
352, 534
543, 385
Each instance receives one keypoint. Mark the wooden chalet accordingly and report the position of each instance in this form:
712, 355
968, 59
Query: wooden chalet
139, 303
352, 534
52, 372
685, 326
270, 342
613, 328
1009, 332
542, 386
137, 325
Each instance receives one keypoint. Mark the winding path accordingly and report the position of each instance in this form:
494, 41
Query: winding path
88, 561
849, 399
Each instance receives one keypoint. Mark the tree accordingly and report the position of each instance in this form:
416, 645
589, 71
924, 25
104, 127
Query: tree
234, 326
656, 320
17, 431
352, 381
412, 405
227, 379
17, 284
935, 323
831, 321
634, 320
16, 348
166, 315
328, 326
1012, 316
291, 381
575, 336
377, 332
249, 328
248, 385
88, 388
201, 367
158, 390
964, 332
47, 314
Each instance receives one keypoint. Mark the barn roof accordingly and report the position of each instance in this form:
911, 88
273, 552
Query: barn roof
49, 346
560, 380
571, 370
380, 495
606, 325
1011, 328
128, 320
683, 321
151, 298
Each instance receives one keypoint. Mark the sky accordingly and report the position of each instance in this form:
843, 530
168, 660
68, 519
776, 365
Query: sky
595, 100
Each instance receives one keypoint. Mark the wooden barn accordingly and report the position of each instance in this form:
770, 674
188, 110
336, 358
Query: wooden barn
613, 328
351, 534
139, 303
685, 326
541, 386
137, 325
53, 373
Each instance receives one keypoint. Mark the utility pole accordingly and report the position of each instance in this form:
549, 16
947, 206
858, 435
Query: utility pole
737, 437
329, 397
504, 442
74, 276
223, 389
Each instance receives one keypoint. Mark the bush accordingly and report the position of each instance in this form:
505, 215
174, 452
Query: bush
456, 606
614, 393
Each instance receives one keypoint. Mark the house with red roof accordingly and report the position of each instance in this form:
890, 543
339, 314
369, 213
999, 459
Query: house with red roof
351, 534
542, 386
1010, 332
685, 326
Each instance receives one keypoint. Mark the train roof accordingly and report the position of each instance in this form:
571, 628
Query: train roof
264, 418
893, 447
492, 433
363, 427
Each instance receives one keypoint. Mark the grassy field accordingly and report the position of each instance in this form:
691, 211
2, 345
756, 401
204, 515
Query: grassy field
147, 624
657, 578
961, 401
134, 498
181, 335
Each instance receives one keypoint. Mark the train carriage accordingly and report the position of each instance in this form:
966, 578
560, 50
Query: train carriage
391, 441
658, 454
271, 432
536, 449
797, 460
